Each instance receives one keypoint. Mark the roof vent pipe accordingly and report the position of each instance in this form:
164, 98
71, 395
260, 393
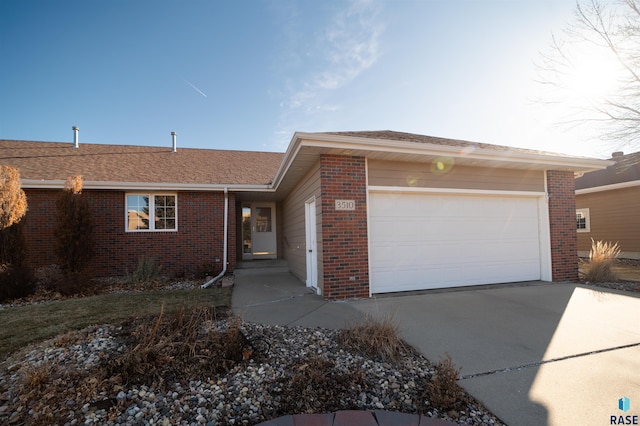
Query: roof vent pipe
75, 136
175, 147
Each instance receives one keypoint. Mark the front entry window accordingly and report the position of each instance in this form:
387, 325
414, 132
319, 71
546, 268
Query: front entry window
246, 230
259, 231
263, 219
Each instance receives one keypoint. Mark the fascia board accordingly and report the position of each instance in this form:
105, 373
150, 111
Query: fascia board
613, 186
144, 186
289, 157
581, 164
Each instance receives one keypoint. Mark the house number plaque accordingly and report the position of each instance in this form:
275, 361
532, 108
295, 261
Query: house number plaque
345, 204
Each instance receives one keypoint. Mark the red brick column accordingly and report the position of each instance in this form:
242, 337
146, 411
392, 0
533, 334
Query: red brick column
562, 223
344, 233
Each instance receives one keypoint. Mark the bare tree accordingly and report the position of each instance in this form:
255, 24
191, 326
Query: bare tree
609, 33
74, 228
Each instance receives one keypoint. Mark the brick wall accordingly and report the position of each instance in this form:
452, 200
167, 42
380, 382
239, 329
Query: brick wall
344, 233
562, 221
196, 244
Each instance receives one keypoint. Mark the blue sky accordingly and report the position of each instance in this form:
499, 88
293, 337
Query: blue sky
248, 74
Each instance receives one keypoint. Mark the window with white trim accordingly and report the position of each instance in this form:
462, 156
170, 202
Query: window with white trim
151, 212
582, 220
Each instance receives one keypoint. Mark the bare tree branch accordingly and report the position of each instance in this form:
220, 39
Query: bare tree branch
614, 28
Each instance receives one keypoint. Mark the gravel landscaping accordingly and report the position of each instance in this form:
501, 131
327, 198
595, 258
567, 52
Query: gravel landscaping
62, 381
626, 270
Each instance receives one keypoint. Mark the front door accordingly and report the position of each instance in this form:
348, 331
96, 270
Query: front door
311, 244
259, 231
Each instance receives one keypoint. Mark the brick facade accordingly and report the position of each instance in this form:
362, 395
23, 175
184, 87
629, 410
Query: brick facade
196, 246
344, 233
562, 225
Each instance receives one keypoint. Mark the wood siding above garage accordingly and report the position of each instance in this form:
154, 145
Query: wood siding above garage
446, 174
294, 241
613, 216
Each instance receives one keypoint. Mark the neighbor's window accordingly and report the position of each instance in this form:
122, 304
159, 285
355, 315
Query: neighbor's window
582, 220
152, 212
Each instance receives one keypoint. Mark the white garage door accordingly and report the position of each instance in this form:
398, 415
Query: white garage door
424, 241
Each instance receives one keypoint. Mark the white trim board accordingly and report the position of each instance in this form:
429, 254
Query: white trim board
456, 191
611, 187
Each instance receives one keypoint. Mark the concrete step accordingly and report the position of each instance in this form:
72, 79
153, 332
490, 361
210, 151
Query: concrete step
247, 267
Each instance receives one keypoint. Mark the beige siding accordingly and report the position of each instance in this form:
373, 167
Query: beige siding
443, 175
613, 217
294, 239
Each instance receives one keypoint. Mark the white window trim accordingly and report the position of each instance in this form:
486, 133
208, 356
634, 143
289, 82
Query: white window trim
152, 221
587, 220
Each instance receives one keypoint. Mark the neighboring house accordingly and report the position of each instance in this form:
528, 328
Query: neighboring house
353, 213
607, 206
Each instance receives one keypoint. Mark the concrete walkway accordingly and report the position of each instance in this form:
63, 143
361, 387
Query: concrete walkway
534, 354
274, 296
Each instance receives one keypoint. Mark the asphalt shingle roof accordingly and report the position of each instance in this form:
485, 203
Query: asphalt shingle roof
125, 163
626, 169
423, 139
146, 164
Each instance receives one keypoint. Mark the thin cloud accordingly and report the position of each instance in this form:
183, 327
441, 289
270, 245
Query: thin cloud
195, 88
349, 46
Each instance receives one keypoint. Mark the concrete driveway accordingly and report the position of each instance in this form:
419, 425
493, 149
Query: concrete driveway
534, 353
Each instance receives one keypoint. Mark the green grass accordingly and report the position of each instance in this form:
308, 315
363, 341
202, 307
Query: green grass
21, 326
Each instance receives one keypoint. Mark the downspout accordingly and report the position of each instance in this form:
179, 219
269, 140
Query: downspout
224, 244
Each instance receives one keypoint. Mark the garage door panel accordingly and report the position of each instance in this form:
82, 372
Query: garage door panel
422, 241
472, 264
446, 277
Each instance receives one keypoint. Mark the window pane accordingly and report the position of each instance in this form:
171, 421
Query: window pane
137, 212
246, 229
165, 212
263, 219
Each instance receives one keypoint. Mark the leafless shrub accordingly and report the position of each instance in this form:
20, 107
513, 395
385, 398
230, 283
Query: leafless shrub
34, 376
317, 386
443, 392
170, 347
15, 282
13, 244
47, 277
147, 271
67, 339
601, 258
376, 337
46, 387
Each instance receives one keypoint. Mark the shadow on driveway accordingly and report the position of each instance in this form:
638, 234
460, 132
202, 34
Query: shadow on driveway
533, 353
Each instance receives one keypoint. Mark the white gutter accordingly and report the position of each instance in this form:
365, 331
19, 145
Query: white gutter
146, 186
362, 145
611, 187
224, 244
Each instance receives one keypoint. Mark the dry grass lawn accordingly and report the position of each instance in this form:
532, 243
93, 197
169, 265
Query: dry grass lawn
29, 324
